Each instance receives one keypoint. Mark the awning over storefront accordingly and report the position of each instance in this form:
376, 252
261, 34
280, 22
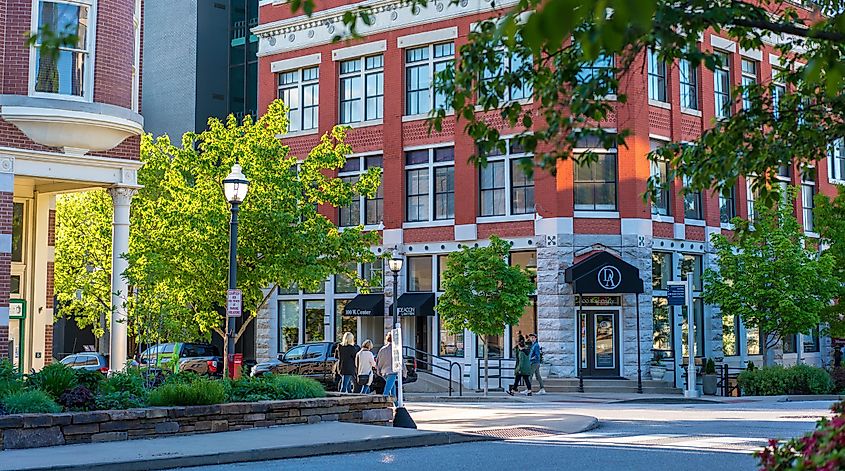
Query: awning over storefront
603, 273
416, 304
365, 305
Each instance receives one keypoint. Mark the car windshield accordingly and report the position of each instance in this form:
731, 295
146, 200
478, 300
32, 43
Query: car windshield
198, 350
68, 360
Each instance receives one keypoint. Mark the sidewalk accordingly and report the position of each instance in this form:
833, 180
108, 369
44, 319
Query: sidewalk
290, 441
605, 398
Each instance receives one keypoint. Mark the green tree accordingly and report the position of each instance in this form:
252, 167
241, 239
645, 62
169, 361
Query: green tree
829, 217
772, 276
83, 258
180, 239
482, 292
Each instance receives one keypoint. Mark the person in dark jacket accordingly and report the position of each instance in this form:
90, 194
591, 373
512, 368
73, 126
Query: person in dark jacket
345, 354
522, 368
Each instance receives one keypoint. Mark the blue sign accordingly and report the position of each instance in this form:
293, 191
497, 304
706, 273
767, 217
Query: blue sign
676, 294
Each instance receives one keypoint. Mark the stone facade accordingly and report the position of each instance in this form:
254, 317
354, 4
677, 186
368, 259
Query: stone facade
40, 430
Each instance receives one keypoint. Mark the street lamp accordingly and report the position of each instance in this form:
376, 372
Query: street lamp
235, 186
401, 417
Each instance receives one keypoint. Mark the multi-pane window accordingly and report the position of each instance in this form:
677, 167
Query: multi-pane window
300, 91
362, 208
662, 203
749, 77
730, 334
595, 184
836, 160
595, 69
430, 184
661, 270
420, 273
778, 91
808, 192
689, 84
727, 205
17, 232
504, 187
722, 85
373, 274
751, 196
64, 73
656, 77
811, 341
661, 324
421, 66
362, 89
692, 264
511, 63
692, 202
288, 324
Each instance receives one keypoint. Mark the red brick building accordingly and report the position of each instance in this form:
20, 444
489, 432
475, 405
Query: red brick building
433, 201
67, 123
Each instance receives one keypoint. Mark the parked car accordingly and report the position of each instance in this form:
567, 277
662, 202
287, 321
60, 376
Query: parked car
91, 361
316, 360
200, 358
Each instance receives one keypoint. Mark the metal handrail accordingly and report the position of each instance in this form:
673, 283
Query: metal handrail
435, 365
493, 364
725, 380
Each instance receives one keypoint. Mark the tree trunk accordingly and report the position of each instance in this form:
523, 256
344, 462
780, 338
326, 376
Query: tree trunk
486, 370
764, 348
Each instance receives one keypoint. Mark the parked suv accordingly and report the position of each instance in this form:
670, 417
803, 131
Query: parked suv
316, 360
200, 358
91, 361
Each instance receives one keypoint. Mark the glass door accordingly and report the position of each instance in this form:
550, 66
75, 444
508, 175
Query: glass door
599, 344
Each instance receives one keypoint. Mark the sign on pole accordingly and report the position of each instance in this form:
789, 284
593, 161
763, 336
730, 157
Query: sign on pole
233, 303
397, 349
676, 294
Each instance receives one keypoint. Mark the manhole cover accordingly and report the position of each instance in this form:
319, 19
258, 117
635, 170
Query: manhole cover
513, 432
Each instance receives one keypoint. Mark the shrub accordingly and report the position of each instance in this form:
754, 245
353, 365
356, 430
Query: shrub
838, 376
709, 367
79, 398
200, 392
7, 370
297, 387
247, 389
273, 388
118, 400
53, 379
822, 449
9, 386
30, 402
181, 377
125, 381
89, 379
777, 380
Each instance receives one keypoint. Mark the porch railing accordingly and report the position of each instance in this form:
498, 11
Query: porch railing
431, 360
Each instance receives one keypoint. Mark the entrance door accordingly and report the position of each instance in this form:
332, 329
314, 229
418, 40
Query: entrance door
599, 344
421, 336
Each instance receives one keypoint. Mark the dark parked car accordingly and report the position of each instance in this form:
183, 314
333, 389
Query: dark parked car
91, 361
316, 360
200, 358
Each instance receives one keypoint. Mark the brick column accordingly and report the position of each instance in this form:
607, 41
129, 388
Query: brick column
7, 179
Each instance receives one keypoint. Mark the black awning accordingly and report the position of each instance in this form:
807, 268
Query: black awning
365, 305
416, 304
603, 273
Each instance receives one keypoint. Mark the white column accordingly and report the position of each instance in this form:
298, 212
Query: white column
121, 199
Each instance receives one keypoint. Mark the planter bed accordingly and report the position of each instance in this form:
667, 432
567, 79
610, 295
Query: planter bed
40, 430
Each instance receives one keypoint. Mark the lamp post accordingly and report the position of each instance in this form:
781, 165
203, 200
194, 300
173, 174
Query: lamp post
401, 417
235, 186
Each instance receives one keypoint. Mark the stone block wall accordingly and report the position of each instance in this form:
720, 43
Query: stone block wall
40, 430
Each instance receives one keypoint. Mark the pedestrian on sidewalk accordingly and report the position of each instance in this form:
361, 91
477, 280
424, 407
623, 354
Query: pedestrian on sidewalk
365, 363
345, 354
522, 368
384, 365
536, 358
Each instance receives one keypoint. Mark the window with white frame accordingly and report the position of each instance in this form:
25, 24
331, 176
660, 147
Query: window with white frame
752, 195
300, 91
430, 184
504, 187
689, 84
692, 202
362, 208
722, 85
662, 204
361, 89
421, 66
808, 193
68, 72
836, 160
512, 63
596, 68
595, 183
727, 205
778, 91
656, 77
749, 77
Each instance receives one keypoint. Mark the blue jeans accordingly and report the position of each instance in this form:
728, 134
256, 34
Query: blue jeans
390, 385
346, 383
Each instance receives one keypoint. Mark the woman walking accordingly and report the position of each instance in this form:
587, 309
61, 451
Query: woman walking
345, 354
365, 362
522, 368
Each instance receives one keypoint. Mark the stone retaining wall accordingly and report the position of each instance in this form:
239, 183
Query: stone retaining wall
39, 430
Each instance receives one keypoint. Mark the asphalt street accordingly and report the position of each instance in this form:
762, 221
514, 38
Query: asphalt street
629, 437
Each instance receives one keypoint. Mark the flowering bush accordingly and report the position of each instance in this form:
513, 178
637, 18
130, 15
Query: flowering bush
821, 450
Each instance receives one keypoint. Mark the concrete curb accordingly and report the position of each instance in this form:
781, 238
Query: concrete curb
265, 454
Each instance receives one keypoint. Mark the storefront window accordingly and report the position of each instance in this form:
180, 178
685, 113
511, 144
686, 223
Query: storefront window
451, 345
528, 261
730, 335
321, 288
419, 273
373, 273
495, 346
752, 340
698, 316
692, 264
790, 344
343, 324
527, 323
288, 325
662, 330
315, 311
661, 269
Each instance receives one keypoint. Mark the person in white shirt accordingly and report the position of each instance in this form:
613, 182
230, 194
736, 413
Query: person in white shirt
365, 362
